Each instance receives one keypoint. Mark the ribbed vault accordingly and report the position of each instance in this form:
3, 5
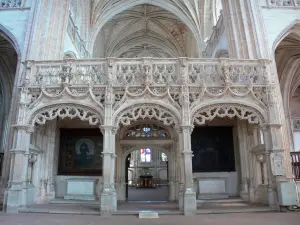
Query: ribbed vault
145, 31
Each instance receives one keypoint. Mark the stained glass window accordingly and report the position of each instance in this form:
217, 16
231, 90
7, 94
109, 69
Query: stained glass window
146, 155
164, 157
147, 131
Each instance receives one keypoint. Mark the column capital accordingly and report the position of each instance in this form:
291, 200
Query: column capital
111, 128
184, 128
28, 128
187, 152
106, 153
267, 126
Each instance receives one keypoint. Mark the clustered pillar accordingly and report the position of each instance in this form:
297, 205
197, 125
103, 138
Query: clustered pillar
17, 190
189, 195
108, 199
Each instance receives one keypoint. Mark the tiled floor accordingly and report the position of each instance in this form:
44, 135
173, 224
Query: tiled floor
208, 219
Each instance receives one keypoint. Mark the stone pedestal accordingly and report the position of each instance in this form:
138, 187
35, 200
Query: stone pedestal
81, 189
190, 205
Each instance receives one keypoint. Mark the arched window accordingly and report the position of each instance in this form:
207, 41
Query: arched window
146, 131
217, 10
164, 157
146, 155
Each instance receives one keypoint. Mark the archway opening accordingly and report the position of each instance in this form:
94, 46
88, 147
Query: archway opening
145, 31
66, 161
229, 163
8, 67
287, 57
147, 175
146, 159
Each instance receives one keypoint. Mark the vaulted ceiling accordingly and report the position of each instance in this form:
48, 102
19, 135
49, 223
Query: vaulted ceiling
144, 31
287, 55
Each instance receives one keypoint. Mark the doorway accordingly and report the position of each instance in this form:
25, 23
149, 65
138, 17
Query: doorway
146, 175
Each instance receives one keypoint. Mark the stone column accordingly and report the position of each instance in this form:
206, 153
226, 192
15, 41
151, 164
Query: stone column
189, 197
180, 169
17, 191
172, 174
245, 29
48, 27
108, 192
274, 161
242, 135
120, 185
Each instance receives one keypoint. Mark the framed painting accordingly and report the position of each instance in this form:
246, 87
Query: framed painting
80, 152
212, 149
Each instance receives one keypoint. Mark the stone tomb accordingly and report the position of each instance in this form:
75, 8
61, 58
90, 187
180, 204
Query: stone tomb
81, 189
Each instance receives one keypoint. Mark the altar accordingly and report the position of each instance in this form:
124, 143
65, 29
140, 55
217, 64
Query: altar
146, 181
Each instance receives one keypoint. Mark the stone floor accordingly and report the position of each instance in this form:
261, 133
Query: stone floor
148, 194
208, 219
234, 205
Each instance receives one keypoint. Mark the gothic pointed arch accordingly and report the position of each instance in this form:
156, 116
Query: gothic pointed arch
66, 110
242, 111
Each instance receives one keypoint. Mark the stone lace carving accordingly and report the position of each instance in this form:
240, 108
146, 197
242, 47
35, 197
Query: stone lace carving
66, 111
227, 110
146, 112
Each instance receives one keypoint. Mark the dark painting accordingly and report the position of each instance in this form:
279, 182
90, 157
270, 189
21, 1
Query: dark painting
212, 149
80, 152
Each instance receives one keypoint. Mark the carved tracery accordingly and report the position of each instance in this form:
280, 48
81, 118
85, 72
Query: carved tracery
66, 111
208, 113
145, 112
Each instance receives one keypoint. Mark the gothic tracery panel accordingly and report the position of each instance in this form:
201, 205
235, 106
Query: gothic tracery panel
145, 112
208, 113
65, 111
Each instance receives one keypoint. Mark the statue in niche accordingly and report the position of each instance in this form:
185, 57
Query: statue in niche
84, 153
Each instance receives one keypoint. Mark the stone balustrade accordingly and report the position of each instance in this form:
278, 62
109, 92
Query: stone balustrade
147, 71
5, 4
285, 3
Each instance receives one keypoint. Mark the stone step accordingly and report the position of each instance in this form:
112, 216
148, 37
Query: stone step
75, 202
148, 215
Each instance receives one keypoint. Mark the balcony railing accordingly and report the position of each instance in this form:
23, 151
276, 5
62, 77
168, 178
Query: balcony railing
284, 3
77, 41
151, 71
296, 164
6, 4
